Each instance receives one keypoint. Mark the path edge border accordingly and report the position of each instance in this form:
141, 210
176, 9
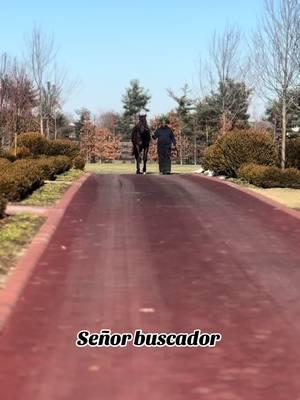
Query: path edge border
10, 294
276, 204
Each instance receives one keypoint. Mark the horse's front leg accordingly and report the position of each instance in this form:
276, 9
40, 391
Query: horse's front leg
145, 158
137, 159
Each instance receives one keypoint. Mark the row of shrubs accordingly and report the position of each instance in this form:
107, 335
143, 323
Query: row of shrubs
269, 176
235, 148
242, 153
3, 203
33, 144
19, 178
35, 160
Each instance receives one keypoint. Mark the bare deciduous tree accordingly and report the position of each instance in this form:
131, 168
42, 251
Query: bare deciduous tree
17, 99
108, 120
227, 65
41, 55
276, 56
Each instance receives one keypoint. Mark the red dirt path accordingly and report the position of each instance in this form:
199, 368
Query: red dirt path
203, 255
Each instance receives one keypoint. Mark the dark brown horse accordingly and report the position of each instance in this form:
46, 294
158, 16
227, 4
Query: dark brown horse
140, 138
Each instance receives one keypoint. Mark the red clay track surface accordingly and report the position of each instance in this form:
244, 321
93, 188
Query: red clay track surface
199, 255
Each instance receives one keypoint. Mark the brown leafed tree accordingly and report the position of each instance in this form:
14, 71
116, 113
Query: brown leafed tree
107, 145
184, 143
88, 140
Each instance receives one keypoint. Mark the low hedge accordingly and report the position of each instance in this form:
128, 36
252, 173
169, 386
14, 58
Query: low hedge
24, 176
4, 164
238, 147
8, 155
3, 203
33, 144
293, 153
270, 176
33, 141
61, 147
79, 162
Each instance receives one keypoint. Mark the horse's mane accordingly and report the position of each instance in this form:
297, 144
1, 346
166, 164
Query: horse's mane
141, 134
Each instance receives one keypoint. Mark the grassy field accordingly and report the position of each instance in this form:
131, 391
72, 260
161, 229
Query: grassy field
285, 196
51, 192
288, 197
129, 168
15, 233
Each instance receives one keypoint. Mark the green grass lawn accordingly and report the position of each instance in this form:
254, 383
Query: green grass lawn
51, 192
15, 233
129, 168
286, 196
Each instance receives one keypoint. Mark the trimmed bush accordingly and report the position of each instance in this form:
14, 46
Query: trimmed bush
23, 152
238, 147
293, 153
24, 176
61, 164
62, 147
52, 166
4, 164
214, 160
34, 142
79, 162
270, 176
8, 155
3, 203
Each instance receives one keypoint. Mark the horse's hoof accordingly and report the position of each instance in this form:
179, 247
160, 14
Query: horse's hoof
144, 173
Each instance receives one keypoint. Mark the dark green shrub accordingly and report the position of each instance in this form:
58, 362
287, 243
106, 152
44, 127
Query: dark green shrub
238, 147
34, 141
61, 164
214, 160
61, 147
16, 183
79, 162
52, 166
3, 203
293, 153
24, 176
270, 176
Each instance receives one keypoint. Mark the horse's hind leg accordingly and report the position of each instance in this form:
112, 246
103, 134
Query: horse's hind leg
145, 157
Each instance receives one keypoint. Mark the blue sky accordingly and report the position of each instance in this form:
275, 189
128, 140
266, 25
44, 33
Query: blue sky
105, 44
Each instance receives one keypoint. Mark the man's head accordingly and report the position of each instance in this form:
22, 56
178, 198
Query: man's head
164, 121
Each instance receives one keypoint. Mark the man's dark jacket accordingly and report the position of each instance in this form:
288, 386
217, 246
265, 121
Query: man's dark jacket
164, 136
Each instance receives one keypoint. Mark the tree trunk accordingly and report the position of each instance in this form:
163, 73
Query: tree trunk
41, 125
15, 144
223, 129
275, 130
48, 128
180, 155
284, 123
195, 149
55, 127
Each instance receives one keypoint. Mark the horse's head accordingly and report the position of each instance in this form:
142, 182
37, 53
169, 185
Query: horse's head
142, 121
